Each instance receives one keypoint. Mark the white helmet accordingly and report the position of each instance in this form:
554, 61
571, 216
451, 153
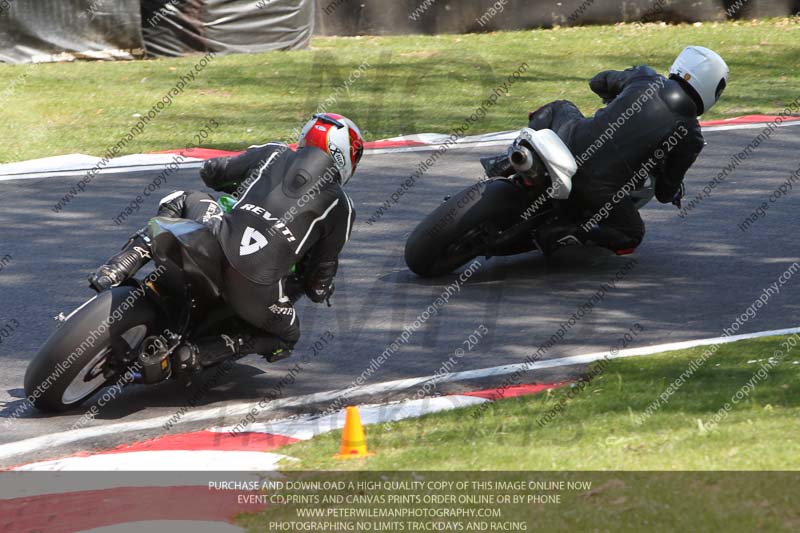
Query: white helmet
705, 71
337, 136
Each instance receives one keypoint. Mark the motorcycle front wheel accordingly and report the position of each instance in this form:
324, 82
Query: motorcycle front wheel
68, 369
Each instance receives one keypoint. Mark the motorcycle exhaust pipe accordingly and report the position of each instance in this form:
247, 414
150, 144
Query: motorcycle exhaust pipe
521, 158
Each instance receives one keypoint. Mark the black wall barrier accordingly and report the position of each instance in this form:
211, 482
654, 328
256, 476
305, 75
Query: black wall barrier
53, 30
362, 17
57, 30
175, 27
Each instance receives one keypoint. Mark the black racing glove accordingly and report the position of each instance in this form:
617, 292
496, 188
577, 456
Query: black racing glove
321, 293
319, 282
326, 294
212, 171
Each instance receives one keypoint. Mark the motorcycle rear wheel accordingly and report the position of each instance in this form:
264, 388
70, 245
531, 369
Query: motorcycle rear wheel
462, 227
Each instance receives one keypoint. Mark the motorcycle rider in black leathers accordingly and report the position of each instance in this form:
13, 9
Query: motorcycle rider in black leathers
649, 122
290, 211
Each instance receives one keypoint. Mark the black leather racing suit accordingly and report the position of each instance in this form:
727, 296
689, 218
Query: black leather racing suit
649, 124
291, 210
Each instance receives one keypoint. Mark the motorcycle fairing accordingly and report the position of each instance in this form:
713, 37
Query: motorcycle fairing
557, 158
191, 253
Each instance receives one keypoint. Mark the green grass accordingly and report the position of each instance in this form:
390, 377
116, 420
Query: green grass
413, 84
638, 501
598, 430
710, 480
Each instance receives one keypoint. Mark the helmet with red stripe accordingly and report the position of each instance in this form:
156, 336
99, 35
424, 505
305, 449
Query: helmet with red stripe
339, 137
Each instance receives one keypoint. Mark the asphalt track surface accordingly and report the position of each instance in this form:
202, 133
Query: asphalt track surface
693, 276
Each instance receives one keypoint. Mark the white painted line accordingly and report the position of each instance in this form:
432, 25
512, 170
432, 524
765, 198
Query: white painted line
502, 138
753, 126
53, 167
50, 164
18, 484
302, 427
305, 427
56, 440
632, 352
80, 172
432, 147
163, 461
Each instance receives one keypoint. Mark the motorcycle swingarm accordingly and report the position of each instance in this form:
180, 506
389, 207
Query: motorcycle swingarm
509, 241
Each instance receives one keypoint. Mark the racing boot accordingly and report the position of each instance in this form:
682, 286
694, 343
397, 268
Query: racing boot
612, 239
270, 347
497, 166
207, 351
134, 255
212, 350
552, 237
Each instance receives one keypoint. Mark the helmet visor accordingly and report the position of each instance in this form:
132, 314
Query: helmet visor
720, 87
359, 152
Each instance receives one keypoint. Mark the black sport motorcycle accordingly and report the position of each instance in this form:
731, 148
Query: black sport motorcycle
499, 215
133, 330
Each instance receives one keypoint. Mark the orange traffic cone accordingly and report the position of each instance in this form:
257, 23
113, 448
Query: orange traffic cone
354, 442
